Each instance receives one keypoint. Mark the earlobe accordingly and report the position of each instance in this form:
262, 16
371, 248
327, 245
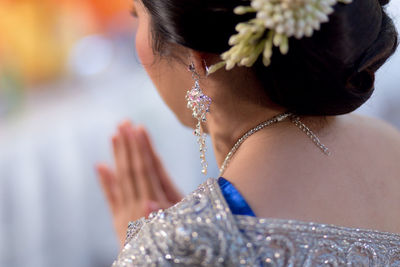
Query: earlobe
200, 62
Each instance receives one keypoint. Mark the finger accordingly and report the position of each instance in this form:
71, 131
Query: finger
139, 171
107, 182
144, 167
151, 206
130, 180
122, 167
171, 191
153, 178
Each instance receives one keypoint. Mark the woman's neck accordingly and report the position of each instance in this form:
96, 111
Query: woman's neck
240, 105
226, 129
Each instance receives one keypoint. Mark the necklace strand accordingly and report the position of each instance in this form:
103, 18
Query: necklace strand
311, 135
296, 121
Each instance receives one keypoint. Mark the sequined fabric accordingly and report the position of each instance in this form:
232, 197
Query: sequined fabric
202, 231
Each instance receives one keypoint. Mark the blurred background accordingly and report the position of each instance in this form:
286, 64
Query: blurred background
68, 75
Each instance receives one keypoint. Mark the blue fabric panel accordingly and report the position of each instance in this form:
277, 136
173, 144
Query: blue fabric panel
236, 202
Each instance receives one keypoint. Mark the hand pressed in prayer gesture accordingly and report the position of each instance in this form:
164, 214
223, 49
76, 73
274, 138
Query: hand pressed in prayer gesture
139, 185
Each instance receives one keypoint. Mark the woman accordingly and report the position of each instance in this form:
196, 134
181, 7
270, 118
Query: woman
275, 82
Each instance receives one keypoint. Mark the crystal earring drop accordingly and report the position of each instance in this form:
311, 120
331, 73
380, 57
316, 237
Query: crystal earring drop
199, 104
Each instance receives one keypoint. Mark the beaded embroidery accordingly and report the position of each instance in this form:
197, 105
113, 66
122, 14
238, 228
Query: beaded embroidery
201, 231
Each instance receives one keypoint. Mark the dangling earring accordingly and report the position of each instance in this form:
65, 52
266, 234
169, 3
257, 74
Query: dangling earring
200, 104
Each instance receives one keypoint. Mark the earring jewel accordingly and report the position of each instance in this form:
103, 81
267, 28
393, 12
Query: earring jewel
199, 104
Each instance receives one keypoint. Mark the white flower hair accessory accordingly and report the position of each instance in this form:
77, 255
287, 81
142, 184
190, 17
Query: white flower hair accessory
282, 19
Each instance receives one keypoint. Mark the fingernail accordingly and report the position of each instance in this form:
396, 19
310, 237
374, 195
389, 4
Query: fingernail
140, 129
98, 168
127, 123
114, 139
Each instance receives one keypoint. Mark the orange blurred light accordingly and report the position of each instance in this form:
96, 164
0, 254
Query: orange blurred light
36, 35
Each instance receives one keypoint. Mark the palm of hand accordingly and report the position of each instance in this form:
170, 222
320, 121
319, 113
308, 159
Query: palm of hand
139, 184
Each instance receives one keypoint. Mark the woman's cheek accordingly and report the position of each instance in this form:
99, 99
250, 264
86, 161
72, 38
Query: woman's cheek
143, 47
171, 90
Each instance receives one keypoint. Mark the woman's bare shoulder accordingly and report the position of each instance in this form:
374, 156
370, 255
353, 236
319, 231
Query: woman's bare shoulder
373, 129
369, 139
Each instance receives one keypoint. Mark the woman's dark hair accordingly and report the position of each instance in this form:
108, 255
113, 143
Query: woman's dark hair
331, 73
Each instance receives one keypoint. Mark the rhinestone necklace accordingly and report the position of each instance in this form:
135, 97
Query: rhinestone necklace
295, 119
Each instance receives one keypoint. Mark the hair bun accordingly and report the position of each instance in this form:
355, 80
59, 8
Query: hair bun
361, 82
384, 2
330, 73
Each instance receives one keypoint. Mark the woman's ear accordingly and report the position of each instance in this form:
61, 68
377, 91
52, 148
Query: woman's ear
200, 62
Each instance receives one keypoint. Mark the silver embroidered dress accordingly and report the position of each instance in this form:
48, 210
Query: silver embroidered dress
202, 231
